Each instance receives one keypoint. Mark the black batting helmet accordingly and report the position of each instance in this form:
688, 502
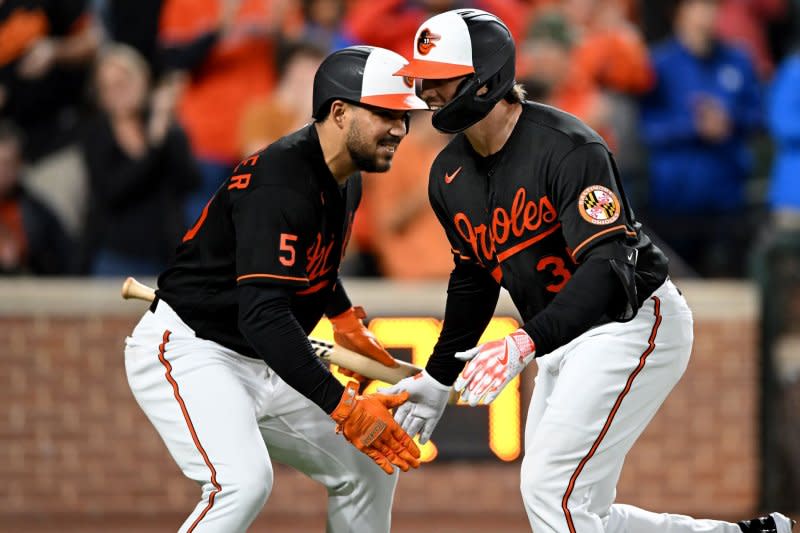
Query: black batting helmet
363, 74
463, 42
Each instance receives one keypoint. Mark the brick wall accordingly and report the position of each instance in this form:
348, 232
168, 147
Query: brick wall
73, 442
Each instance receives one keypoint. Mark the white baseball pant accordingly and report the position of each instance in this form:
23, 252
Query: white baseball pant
224, 416
593, 398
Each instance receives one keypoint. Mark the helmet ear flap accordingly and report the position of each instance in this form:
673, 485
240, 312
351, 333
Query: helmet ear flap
499, 84
460, 113
467, 107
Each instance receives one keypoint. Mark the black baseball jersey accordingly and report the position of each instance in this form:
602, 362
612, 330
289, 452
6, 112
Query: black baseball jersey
280, 219
530, 212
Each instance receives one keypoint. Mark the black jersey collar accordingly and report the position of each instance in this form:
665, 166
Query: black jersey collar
490, 161
317, 158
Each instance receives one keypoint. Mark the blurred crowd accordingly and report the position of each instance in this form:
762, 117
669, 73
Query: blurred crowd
119, 119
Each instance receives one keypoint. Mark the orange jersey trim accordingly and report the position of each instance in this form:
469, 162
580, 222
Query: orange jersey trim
651, 345
273, 276
505, 254
600, 234
194, 229
315, 288
497, 274
162, 348
459, 254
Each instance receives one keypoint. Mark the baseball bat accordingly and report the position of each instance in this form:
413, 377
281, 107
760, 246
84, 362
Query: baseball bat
327, 351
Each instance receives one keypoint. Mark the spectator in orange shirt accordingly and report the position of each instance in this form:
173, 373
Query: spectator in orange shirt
550, 75
406, 237
226, 48
608, 48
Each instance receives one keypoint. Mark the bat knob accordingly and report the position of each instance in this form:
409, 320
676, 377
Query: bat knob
126, 287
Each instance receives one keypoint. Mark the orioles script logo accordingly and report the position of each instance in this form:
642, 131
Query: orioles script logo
425, 41
318, 255
525, 216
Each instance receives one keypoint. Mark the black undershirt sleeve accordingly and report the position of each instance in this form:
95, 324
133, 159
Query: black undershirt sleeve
339, 302
592, 291
472, 296
266, 321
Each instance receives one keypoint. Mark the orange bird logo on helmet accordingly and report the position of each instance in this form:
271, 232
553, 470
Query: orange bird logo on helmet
426, 41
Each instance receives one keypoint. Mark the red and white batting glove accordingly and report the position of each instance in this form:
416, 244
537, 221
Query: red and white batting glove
351, 333
492, 366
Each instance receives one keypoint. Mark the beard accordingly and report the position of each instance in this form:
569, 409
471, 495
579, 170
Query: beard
365, 155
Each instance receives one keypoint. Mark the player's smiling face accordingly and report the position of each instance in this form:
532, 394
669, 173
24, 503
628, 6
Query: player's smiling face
374, 136
437, 93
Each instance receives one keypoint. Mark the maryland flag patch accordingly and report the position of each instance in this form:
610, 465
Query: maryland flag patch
598, 205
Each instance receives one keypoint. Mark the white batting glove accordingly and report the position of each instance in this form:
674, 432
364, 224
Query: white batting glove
427, 399
492, 366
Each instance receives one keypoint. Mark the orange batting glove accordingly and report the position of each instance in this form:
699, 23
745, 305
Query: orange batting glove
351, 333
365, 421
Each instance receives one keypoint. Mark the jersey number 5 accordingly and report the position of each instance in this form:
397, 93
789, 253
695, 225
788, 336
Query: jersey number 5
287, 246
559, 272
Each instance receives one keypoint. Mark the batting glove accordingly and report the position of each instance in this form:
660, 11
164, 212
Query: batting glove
427, 399
492, 366
350, 332
366, 422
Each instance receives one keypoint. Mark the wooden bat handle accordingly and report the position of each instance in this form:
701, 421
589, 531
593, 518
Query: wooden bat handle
139, 291
328, 351
333, 353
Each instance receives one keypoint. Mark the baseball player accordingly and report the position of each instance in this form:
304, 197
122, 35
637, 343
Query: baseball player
221, 363
531, 200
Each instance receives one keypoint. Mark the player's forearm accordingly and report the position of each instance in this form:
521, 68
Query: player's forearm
339, 302
471, 299
267, 323
581, 304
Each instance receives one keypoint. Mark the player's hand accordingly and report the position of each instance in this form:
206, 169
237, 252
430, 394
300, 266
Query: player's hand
365, 421
427, 399
351, 333
492, 366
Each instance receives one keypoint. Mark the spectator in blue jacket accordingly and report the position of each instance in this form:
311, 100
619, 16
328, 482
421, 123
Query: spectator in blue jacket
784, 124
696, 123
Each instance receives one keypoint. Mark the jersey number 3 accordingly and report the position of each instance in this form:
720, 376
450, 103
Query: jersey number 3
558, 270
287, 247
